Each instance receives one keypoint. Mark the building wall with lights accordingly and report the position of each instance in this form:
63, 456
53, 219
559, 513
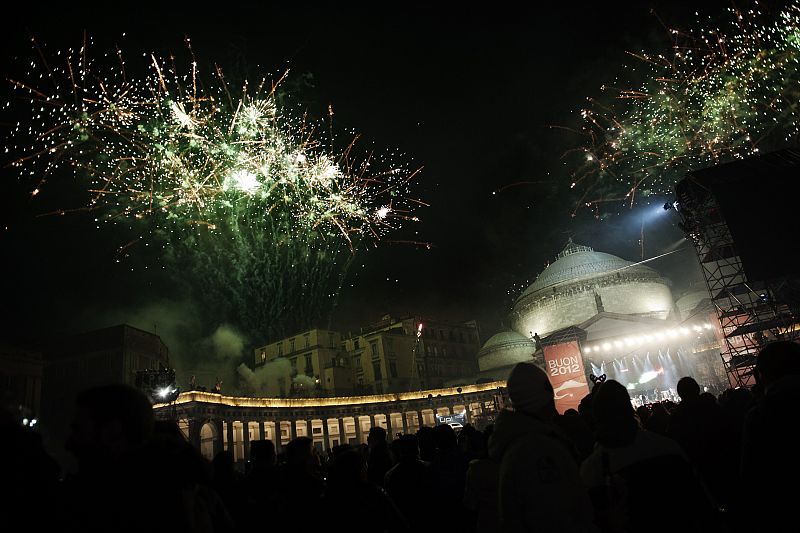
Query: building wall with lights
213, 422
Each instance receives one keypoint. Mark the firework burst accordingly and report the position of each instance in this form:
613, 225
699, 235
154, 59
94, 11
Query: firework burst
228, 182
715, 95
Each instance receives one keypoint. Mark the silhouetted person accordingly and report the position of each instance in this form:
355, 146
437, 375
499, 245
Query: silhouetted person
540, 488
427, 444
29, 474
410, 483
658, 421
632, 468
579, 432
348, 484
450, 472
380, 458
480, 491
261, 483
124, 466
770, 464
301, 486
229, 484
708, 438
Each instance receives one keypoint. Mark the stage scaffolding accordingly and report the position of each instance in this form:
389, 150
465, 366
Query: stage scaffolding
750, 312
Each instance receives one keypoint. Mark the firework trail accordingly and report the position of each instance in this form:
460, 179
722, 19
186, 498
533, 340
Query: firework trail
255, 214
717, 94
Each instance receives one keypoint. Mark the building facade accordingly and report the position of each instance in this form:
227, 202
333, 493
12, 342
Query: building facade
213, 422
99, 357
391, 355
21, 381
317, 365
594, 313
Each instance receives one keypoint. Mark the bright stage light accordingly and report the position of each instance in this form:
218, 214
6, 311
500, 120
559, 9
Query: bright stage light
606, 346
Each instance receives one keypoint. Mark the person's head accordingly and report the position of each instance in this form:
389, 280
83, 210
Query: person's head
688, 389
377, 435
348, 468
262, 453
109, 421
775, 360
407, 447
530, 391
300, 452
614, 417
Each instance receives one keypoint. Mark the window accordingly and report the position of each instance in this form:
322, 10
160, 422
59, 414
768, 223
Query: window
376, 369
373, 346
331, 340
309, 369
294, 364
441, 334
306, 336
280, 349
393, 369
355, 344
444, 351
461, 336
357, 362
379, 387
291, 345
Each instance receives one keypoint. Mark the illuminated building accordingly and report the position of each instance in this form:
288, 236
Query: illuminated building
317, 365
391, 355
594, 313
213, 422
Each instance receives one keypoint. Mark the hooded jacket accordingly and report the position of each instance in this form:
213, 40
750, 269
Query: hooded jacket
540, 488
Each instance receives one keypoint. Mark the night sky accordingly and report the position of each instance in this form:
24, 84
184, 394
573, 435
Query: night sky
467, 93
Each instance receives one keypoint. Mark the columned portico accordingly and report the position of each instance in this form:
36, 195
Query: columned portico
215, 420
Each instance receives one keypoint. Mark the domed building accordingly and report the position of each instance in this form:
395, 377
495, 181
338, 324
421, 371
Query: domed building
592, 313
583, 282
502, 351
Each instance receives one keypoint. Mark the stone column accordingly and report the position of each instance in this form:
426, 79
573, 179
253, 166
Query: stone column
405, 423
262, 434
371, 422
218, 443
230, 437
342, 434
293, 429
194, 432
246, 440
326, 434
359, 436
278, 439
389, 434
310, 429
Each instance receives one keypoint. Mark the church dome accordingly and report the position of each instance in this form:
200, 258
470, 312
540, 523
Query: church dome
505, 349
583, 282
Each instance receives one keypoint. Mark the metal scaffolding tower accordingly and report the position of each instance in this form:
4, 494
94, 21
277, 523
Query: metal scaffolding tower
750, 311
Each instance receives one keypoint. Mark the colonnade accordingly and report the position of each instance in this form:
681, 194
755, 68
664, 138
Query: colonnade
213, 422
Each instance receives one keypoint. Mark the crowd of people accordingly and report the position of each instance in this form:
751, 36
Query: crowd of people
705, 464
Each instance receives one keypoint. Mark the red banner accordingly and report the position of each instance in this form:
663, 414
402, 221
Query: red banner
564, 366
